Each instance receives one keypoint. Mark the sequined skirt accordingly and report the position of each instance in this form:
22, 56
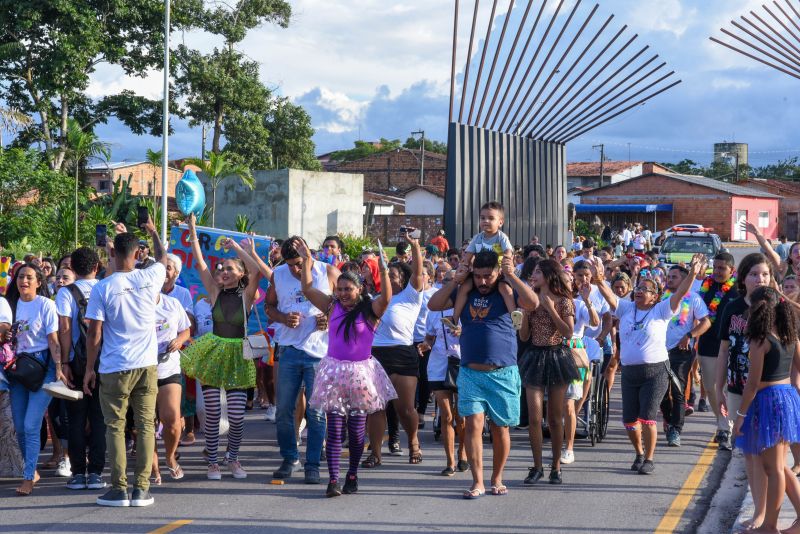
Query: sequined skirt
347, 387
217, 361
773, 417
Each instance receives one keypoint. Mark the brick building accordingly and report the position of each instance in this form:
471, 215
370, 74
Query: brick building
587, 173
397, 170
692, 199
789, 211
144, 178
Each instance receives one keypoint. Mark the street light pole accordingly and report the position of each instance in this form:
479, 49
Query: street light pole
165, 129
422, 156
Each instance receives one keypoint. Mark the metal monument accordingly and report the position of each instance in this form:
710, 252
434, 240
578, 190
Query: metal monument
777, 32
544, 74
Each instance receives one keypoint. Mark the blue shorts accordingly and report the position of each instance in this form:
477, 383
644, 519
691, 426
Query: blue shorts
495, 393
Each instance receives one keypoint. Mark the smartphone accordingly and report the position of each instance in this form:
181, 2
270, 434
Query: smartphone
415, 234
142, 215
100, 233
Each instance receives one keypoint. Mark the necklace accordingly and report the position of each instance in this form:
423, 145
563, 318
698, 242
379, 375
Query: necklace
683, 314
723, 289
637, 323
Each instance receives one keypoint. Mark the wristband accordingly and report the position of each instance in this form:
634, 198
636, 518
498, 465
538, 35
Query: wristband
740, 414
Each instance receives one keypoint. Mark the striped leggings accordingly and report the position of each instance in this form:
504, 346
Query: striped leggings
356, 428
236, 400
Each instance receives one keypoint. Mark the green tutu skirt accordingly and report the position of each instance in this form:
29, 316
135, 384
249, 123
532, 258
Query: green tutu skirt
217, 362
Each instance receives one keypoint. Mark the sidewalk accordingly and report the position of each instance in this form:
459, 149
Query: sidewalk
786, 517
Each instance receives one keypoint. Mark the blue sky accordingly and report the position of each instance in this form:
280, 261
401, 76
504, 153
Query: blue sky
380, 68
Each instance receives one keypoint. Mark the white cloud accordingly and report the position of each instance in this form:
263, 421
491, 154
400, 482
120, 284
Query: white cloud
669, 16
729, 83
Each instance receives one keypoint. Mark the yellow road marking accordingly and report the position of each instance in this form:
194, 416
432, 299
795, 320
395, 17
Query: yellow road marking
172, 526
681, 502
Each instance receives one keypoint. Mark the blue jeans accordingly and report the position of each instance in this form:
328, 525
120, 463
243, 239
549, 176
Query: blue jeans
296, 368
28, 409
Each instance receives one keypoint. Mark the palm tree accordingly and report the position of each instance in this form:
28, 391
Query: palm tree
12, 120
217, 168
82, 146
154, 159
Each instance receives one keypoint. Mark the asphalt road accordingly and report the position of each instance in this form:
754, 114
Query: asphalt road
599, 494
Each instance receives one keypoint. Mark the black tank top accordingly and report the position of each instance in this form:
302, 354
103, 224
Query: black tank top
777, 362
228, 314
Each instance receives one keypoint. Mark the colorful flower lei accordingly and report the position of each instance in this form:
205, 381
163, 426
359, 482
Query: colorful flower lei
683, 315
714, 304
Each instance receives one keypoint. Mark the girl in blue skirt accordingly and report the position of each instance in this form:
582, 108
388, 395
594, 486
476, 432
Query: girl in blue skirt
769, 417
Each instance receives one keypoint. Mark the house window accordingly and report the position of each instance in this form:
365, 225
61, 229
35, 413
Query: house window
763, 219
104, 185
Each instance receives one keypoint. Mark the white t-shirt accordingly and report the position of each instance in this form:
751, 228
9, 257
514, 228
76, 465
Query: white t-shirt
442, 348
498, 242
35, 320
183, 296
6, 316
643, 334
626, 237
601, 307
126, 303
397, 324
203, 318
581, 317
419, 326
171, 319
67, 307
697, 311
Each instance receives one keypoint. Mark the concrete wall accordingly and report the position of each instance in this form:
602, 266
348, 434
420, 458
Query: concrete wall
293, 202
753, 206
421, 202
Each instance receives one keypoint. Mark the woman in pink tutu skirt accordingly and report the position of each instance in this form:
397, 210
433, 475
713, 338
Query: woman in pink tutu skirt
349, 382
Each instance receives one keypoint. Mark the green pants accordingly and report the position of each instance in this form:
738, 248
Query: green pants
137, 388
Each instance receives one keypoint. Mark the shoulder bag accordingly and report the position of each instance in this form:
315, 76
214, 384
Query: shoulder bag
254, 346
26, 369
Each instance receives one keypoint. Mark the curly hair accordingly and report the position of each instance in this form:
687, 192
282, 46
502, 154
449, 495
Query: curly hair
770, 313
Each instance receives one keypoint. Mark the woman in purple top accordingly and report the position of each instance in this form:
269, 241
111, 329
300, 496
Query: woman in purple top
349, 382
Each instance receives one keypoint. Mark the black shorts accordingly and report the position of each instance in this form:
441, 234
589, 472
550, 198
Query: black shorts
172, 379
438, 385
400, 360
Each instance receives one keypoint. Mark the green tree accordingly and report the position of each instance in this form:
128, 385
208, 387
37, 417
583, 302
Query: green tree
363, 149
48, 50
81, 146
224, 82
154, 158
430, 145
217, 168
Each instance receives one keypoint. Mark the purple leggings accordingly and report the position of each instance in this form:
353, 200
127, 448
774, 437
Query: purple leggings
356, 427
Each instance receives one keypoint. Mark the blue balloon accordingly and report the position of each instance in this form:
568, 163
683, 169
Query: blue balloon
190, 194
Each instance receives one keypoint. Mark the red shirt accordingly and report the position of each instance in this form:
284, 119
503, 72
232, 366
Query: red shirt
441, 243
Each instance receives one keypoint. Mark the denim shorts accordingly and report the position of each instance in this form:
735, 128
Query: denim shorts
495, 393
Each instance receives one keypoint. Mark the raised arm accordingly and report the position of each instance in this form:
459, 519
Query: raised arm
264, 269
380, 303
417, 278
585, 291
319, 299
769, 252
698, 261
158, 247
526, 297
604, 290
252, 269
441, 300
200, 264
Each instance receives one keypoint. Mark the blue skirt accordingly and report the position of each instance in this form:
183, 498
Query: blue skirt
773, 417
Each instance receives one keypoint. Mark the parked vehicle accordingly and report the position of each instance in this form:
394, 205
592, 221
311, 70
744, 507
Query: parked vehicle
682, 244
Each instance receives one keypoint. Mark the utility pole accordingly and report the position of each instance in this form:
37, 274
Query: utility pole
203, 144
736, 176
602, 148
165, 130
421, 133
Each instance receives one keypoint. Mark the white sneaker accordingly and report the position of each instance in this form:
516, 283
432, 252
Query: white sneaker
567, 456
236, 469
214, 473
300, 432
64, 469
269, 416
59, 390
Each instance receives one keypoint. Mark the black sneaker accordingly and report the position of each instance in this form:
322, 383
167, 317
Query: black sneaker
141, 497
395, 449
95, 481
702, 406
114, 497
448, 471
462, 466
718, 435
350, 485
637, 462
334, 489
311, 475
77, 482
534, 475
286, 469
555, 476
647, 467
725, 441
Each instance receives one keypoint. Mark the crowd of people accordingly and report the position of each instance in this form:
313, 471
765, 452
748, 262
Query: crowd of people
500, 337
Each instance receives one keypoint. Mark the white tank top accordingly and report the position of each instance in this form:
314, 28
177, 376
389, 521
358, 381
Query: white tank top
305, 336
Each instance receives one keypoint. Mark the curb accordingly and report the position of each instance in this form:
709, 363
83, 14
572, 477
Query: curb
727, 500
